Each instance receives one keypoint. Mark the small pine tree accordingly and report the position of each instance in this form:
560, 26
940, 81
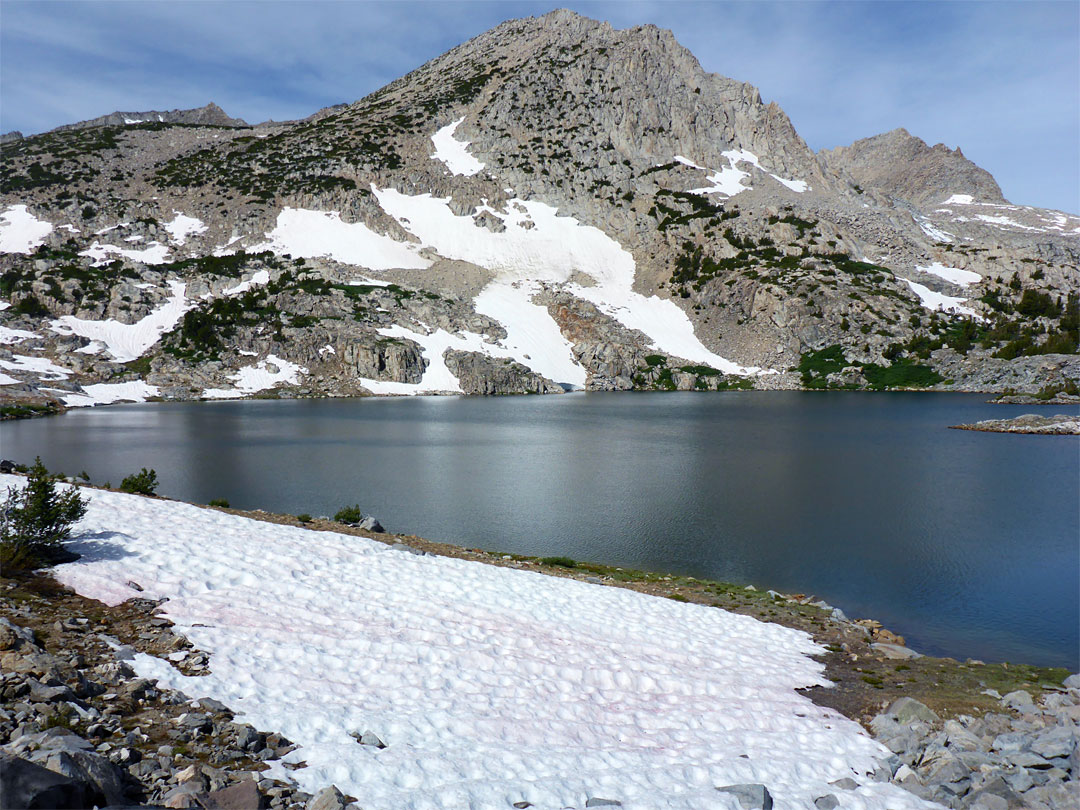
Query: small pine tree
36, 519
143, 482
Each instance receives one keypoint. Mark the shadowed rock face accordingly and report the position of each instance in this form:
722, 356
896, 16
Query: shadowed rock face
902, 166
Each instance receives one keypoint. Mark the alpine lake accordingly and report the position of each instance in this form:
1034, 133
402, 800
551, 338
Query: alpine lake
966, 543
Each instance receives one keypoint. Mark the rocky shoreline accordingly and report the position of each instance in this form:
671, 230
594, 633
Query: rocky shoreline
1060, 424
75, 718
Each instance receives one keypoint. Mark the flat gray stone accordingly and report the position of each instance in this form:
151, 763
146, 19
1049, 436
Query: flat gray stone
1072, 682
896, 652
1057, 742
1018, 700
596, 801
826, 802
847, 783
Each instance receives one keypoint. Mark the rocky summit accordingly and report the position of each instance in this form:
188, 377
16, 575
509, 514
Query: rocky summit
553, 205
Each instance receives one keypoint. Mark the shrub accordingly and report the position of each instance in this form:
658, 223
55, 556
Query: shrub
349, 514
143, 482
36, 519
224, 504
304, 517
564, 562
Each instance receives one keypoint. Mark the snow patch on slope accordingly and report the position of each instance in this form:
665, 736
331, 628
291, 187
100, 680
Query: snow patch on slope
939, 301
9, 335
490, 685
261, 376
258, 279
21, 231
128, 341
453, 152
154, 253
311, 234
183, 226
548, 252
953, 274
437, 379
108, 393
729, 181
42, 366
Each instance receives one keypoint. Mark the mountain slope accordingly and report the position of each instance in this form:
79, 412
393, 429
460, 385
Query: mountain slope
554, 204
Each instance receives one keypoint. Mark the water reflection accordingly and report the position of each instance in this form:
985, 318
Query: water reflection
964, 542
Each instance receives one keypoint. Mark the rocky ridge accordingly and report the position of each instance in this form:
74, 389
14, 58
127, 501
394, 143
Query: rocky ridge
314, 242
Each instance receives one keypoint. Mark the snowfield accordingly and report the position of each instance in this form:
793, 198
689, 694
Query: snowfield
129, 341
953, 274
539, 247
939, 301
453, 152
21, 231
488, 685
300, 232
261, 376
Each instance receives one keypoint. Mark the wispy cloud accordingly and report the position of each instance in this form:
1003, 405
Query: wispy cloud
998, 79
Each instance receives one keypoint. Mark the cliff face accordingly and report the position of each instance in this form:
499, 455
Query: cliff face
554, 204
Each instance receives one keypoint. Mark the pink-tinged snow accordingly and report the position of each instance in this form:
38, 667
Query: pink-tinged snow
183, 226
108, 393
124, 341
729, 181
489, 685
9, 335
312, 234
939, 301
41, 366
549, 252
262, 376
154, 253
453, 152
953, 274
21, 231
258, 279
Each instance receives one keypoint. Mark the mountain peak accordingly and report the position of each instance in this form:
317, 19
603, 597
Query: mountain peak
904, 166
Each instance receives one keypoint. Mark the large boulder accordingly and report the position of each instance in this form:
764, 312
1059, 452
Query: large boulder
25, 785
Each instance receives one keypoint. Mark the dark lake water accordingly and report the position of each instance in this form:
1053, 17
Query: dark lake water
967, 543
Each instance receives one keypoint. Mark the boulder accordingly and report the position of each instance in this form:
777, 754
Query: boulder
244, 795
907, 710
751, 797
369, 523
25, 785
327, 799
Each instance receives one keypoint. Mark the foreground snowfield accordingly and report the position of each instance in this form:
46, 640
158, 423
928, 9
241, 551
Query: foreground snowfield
489, 685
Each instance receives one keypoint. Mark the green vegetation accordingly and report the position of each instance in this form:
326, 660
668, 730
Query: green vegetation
561, 562
815, 368
220, 502
349, 514
27, 410
304, 517
143, 482
36, 519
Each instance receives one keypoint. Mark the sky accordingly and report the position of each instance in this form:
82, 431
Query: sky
1001, 80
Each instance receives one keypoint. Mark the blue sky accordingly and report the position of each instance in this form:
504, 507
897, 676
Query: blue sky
999, 79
